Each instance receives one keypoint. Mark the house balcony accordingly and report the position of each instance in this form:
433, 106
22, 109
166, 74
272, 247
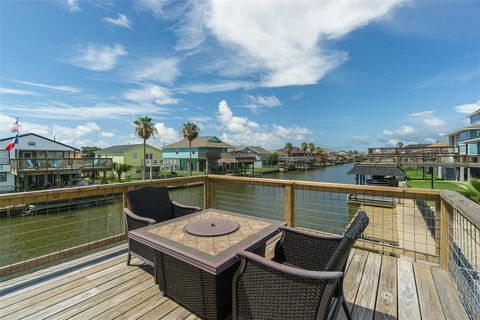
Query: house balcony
154, 162
59, 165
418, 258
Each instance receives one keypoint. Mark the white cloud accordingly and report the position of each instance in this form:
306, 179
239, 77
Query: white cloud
72, 5
265, 101
157, 69
151, 93
107, 134
427, 118
59, 111
217, 87
17, 92
468, 108
61, 88
156, 6
75, 132
190, 29
166, 134
241, 130
98, 57
403, 130
121, 21
289, 52
7, 121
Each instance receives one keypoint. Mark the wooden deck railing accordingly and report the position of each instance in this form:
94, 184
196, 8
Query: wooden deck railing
429, 225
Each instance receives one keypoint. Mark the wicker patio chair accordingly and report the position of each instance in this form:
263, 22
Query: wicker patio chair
264, 289
309, 251
150, 205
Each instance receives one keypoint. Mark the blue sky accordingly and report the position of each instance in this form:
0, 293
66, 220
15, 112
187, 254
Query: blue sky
346, 75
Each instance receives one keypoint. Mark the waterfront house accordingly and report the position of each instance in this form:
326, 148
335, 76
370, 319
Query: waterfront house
261, 155
467, 140
206, 151
38, 162
296, 158
132, 154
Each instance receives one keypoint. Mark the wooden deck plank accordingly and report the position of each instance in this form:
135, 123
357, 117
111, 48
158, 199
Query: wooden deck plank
367, 292
116, 296
430, 305
160, 311
91, 302
451, 304
77, 294
178, 314
129, 304
408, 307
37, 274
353, 278
143, 308
386, 306
16, 303
44, 286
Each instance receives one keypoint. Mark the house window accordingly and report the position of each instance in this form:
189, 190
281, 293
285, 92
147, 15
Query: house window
138, 171
3, 177
134, 156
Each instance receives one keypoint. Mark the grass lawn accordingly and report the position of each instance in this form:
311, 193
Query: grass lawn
440, 185
416, 174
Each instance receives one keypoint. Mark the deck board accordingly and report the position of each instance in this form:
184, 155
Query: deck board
375, 287
427, 292
386, 306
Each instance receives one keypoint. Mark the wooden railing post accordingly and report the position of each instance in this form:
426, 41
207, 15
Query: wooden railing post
445, 213
289, 204
207, 193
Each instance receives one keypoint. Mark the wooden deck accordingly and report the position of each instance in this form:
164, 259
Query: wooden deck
376, 286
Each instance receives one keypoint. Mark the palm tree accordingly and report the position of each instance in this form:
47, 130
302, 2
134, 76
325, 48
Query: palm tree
400, 144
319, 150
120, 168
190, 131
304, 146
288, 147
145, 129
311, 147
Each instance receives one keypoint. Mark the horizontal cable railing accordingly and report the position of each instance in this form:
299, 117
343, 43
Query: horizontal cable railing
39, 227
462, 259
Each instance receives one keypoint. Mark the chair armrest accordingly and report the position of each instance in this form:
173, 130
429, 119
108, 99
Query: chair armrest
304, 249
181, 209
135, 221
321, 275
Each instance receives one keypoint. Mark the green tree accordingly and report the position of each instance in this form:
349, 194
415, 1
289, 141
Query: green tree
304, 146
311, 147
89, 152
120, 168
190, 131
288, 147
272, 158
400, 144
145, 129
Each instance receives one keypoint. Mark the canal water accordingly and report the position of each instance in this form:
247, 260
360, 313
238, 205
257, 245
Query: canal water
26, 237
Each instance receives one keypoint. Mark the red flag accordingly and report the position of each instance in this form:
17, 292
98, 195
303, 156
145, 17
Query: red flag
12, 144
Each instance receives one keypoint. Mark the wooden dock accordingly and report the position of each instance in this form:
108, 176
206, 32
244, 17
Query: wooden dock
95, 287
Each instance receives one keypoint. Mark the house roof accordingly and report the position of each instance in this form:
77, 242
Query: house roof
438, 144
259, 150
200, 142
123, 147
377, 170
42, 137
473, 126
295, 150
474, 113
